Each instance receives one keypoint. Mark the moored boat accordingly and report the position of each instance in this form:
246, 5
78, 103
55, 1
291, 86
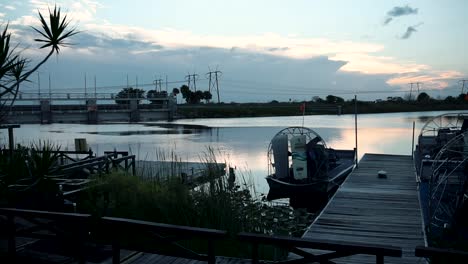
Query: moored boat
303, 169
441, 162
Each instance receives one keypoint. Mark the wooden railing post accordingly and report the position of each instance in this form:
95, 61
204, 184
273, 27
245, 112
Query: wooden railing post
255, 259
11, 237
379, 259
108, 160
115, 252
211, 253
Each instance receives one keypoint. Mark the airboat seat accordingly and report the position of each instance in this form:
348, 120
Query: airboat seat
317, 159
279, 145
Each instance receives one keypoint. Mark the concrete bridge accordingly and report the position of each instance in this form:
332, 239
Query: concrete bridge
93, 109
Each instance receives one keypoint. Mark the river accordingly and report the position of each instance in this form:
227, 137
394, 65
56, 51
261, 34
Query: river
241, 142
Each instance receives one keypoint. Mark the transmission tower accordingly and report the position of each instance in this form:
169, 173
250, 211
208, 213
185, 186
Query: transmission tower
191, 81
213, 81
158, 85
411, 88
463, 85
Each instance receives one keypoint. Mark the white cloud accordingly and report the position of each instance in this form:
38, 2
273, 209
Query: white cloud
431, 79
9, 7
362, 57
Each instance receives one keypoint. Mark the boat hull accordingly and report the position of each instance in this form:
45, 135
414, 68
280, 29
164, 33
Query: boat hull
315, 192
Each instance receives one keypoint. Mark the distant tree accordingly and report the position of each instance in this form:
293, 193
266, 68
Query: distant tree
274, 102
331, 99
207, 96
128, 93
194, 97
152, 95
317, 99
462, 98
175, 91
450, 99
186, 93
423, 98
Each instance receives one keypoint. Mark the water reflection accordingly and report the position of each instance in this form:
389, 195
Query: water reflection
242, 142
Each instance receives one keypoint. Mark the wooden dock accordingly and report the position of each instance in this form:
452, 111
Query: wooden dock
380, 211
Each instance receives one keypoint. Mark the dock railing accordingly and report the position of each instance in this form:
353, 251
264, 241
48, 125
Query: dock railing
70, 229
163, 235
78, 231
297, 246
441, 255
75, 231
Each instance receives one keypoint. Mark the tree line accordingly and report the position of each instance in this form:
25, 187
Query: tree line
191, 97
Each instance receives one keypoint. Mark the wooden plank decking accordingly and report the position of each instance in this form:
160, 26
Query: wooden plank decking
381, 211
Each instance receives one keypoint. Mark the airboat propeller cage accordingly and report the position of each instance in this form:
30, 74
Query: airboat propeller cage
293, 140
443, 141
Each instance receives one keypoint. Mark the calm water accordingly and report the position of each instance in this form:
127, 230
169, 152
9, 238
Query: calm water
242, 142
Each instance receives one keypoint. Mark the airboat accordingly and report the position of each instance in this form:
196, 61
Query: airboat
302, 168
441, 162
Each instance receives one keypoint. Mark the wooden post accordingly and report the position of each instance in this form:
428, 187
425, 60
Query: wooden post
355, 128
255, 259
115, 252
211, 254
11, 237
11, 142
379, 259
412, 143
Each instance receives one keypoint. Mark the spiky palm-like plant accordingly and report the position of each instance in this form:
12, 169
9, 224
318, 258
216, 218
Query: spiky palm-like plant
13, 68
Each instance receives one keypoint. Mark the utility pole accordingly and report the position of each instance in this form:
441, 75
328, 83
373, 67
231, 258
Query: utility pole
193, 77
50, 89
39, 84
85, 88
95, 92
158, 85
411, 90
213, 81
166, 83
418, 83
463, 85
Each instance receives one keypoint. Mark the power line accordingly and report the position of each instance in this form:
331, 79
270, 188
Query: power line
189, 78
463, 85
158, 84
214, 84
411, 89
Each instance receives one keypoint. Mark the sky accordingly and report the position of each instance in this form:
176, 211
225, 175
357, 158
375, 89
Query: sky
265, 50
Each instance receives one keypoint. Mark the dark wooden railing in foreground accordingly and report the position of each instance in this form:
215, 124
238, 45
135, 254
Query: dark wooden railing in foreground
78, 231
440, 255
340, 249
69, 228
161, 233
75, 230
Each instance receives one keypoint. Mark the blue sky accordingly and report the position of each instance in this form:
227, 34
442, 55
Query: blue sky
266, 50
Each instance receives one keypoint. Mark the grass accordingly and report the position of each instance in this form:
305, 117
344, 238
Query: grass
221, 204
23, 181
157, 194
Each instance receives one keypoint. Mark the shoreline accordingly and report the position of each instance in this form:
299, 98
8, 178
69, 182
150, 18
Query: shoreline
234, 110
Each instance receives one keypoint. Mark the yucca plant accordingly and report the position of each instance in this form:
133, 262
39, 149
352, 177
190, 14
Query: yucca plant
13, 68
